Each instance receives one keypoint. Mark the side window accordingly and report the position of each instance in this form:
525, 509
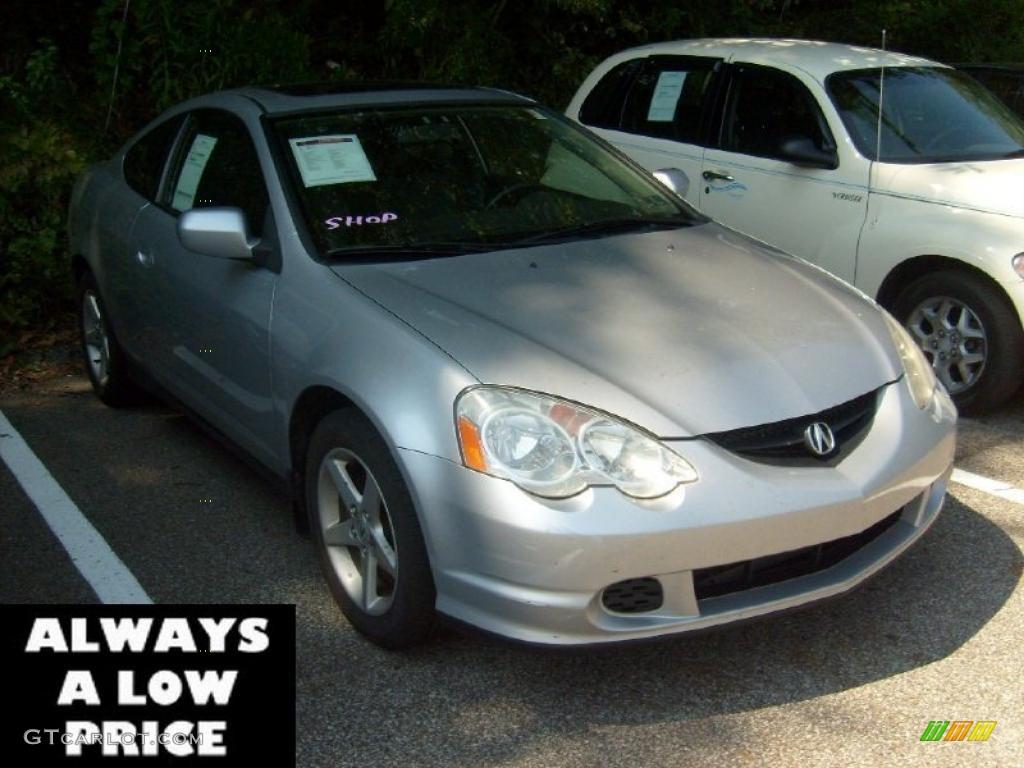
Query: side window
144, 162
218, 167
766, 107
603, 106
668, 98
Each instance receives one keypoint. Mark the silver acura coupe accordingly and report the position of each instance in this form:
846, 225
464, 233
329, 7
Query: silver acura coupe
510, 378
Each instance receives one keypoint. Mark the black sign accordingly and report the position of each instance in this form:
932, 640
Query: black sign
148, 685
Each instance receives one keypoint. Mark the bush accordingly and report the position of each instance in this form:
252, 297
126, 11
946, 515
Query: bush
39, 160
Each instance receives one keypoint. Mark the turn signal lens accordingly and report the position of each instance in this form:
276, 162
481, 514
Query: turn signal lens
472, 448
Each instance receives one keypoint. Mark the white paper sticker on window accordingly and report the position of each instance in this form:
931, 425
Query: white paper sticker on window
666, 96
192, 171
337, 159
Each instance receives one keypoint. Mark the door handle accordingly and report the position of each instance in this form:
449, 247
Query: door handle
717, 175
144, 258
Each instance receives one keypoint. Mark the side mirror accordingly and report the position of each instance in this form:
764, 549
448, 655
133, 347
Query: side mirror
800, 150
674, 179
218, 232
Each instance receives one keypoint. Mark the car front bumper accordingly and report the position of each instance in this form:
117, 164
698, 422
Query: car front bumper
535, 570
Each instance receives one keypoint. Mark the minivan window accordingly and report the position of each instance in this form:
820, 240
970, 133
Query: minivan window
765, 108
1006, 83
929, 115
603, 106
667, 98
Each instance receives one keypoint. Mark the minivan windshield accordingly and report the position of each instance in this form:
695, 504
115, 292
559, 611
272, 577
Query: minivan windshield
929, 115
453, 179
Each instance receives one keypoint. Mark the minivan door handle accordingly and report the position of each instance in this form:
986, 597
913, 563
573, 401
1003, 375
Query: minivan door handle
713, 175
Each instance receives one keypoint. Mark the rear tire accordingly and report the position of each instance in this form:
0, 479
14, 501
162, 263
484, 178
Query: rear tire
971, 334
367, 533
105, 362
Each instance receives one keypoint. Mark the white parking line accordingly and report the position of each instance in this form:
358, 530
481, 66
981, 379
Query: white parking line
109, 578
987, 485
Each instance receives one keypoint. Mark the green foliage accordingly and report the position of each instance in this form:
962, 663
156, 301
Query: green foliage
40, 160
35, 179
165, 51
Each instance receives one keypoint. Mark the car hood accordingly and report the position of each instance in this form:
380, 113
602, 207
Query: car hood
683, 332
992, 186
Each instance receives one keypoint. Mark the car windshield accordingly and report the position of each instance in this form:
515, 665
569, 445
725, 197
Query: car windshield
458, 178
929, 115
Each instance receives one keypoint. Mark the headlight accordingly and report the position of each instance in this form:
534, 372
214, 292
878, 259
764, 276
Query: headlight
920, 376
555, 448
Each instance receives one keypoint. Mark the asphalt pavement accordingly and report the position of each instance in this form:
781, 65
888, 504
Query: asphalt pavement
852, 682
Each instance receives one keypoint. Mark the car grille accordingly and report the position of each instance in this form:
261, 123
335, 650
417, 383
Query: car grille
633, 596
783, 441
761, 571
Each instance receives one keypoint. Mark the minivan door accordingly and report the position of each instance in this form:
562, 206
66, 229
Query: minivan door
809, 205
655, 110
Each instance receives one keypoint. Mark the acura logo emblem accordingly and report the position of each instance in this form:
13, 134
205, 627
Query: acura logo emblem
819, 439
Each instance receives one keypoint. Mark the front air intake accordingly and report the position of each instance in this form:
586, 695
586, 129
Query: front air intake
633, 596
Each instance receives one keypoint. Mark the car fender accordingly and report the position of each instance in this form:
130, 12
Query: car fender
400, 380
899, 228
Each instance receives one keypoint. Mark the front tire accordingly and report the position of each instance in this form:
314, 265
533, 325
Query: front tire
105, 362
367, 533
970, 333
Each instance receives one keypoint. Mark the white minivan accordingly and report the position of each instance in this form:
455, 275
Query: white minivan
781, 140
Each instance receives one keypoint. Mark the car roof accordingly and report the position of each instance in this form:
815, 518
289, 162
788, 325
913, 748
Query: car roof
282, 99
815, 57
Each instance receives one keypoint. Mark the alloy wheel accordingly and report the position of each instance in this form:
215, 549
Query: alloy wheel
95, 338
357, 531
953, 339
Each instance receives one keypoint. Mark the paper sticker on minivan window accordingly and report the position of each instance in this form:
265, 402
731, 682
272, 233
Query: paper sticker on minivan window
192, 171
666, 96
337, 159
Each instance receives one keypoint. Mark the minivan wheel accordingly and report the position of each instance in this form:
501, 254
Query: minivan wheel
970, 334
367, 533
105, 363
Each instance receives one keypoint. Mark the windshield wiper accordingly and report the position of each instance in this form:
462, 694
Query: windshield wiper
607, 226
408, 251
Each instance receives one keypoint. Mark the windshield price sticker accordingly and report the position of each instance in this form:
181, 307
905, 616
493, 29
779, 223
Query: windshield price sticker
192, 171
336, 159
666, 96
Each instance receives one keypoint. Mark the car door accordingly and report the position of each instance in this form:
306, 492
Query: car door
130, 278
216, 323
656, 110
750, 184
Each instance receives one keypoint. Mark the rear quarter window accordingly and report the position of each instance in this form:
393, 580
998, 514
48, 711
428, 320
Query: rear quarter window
144, 162
603, 106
